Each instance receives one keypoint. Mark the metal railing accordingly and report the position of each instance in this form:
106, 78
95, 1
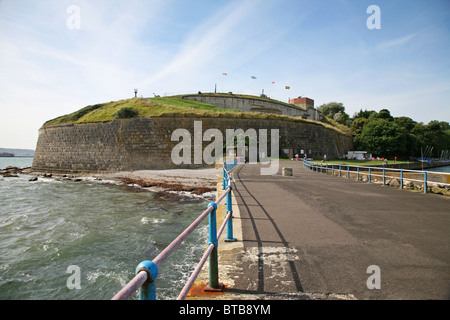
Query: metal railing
424, 179
147, 271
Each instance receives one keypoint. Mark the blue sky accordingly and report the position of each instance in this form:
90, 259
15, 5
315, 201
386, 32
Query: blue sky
322, 49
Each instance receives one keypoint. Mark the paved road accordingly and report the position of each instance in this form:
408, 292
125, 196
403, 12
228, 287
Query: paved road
317, 234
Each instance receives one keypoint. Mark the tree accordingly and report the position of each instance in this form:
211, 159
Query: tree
342, 117
384, 138
331, 108
364, 114
335, 111
433, 135
405, 122
383, 114
357, 126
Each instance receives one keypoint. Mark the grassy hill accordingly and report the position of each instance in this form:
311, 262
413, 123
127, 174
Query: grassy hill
162, 107
151, 107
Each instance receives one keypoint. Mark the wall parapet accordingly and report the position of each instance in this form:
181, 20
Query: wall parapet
253, 104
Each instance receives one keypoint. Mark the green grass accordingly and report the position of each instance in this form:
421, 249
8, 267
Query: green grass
174, 106
152, 107
189, 104
342, 128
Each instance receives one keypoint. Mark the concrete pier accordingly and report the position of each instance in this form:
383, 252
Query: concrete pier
314, 236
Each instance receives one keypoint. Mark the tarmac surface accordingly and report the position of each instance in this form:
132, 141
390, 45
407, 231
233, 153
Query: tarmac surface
315, 236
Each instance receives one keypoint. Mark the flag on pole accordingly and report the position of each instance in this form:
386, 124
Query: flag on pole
224, 74
273, 82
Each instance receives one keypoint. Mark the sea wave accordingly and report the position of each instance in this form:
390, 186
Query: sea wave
103, 226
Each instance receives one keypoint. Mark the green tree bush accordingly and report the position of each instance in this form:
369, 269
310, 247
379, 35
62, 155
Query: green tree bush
126, 113
383, 138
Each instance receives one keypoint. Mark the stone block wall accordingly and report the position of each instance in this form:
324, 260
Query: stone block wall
145, 143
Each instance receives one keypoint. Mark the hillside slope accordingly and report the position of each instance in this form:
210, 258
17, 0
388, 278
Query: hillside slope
164, 107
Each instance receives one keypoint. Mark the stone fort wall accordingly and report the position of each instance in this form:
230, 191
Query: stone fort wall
145, 143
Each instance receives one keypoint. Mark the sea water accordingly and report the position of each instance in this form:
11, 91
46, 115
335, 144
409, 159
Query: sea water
20, 162
104, 229
440, 169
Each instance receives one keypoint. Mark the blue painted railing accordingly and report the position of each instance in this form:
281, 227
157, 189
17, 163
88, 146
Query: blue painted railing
373, 172
147, 271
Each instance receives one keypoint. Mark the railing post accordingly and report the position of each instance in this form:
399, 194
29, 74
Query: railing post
332, 169
370, 180
425, 185
224, 174
230, 237
213, 258
384, 176
339, 170
148, 290
357, 173
348, 172
401, 178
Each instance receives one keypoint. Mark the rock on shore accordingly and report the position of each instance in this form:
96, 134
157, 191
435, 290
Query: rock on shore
12, 172
194, 181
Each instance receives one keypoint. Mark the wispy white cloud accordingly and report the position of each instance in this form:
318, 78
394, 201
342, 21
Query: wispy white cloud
229, 26
389, 44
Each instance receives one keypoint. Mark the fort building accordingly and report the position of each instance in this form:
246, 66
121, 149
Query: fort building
95, 139
299, 108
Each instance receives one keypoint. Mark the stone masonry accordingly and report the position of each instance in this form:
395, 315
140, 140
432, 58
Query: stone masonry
145, 143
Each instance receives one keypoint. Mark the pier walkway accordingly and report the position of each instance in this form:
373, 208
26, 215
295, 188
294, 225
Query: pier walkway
314, 236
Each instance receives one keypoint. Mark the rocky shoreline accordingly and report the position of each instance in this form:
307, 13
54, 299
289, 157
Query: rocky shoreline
13, 172
190, 182
199, 182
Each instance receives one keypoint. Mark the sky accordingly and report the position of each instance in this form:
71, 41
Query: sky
57, 56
